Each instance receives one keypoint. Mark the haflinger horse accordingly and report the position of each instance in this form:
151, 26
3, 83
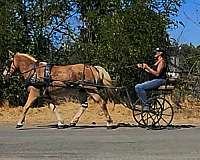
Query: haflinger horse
54, 81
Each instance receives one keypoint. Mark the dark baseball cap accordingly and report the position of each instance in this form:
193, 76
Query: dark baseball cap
159, 52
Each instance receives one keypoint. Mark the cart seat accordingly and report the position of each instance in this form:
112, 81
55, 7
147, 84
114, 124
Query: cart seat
166, 88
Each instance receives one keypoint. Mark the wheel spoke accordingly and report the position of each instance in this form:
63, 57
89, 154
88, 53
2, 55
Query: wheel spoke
137, 113
153, 116
167, 112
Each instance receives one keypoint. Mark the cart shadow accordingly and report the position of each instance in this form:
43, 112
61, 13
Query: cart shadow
172, 127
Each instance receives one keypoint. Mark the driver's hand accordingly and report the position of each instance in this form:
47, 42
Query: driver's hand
144, 65
139, 65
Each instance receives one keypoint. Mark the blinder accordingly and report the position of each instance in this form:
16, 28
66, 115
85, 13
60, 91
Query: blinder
9, 67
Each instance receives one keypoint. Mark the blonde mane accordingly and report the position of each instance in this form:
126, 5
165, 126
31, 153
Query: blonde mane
27, 56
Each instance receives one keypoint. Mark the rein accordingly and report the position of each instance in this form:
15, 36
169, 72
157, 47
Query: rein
32, 69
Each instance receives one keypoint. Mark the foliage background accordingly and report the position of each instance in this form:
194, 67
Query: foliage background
111, 33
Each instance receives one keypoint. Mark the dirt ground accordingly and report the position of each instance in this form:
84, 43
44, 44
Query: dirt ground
188, 114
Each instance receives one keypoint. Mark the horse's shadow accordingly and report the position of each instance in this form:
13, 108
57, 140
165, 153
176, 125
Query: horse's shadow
119, 125
81, 126
87, 126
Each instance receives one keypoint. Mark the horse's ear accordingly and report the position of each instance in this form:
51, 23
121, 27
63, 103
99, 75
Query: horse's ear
11, 54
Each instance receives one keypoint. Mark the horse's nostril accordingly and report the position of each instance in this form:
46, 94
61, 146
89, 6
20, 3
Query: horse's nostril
6, 75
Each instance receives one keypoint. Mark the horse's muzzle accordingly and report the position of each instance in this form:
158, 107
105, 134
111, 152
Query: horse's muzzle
6, 74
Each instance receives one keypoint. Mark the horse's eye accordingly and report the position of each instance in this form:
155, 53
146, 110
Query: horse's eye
8, 63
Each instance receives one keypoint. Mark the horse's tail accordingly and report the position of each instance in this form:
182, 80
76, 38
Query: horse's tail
106, 82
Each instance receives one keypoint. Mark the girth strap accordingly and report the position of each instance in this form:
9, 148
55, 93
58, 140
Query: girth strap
47, 73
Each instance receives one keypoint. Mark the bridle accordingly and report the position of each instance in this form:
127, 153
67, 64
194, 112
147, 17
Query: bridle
10, 70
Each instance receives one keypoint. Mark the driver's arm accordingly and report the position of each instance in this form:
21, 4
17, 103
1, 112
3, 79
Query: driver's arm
157, 72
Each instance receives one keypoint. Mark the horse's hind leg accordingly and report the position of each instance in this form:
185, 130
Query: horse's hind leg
103, 106
84, 105
59, 119
106, 113
33, 95
79, 114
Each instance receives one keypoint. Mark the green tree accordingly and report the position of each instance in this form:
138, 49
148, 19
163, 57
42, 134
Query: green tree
110, 33
121, 33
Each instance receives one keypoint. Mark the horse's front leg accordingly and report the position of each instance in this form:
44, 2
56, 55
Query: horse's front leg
58, 116
33, 95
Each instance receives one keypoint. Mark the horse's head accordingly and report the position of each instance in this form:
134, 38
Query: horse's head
9, 66
19, 62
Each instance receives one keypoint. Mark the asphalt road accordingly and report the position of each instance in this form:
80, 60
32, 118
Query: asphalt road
98, 143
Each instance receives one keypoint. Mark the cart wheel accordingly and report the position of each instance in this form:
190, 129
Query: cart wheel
167, 113
137, 113
151, 118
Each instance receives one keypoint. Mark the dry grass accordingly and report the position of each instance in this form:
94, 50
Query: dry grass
189, 114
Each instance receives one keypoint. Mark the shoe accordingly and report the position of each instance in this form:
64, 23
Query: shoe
145, 108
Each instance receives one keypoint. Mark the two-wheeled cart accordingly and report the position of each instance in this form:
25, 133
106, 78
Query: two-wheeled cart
160, 113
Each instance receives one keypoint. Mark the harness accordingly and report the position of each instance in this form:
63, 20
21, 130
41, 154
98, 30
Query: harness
47, 74
35, 81
45, 82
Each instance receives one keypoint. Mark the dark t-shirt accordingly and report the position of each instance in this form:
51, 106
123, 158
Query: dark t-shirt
163, 73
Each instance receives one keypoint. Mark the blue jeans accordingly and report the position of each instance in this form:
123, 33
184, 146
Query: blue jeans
148, 85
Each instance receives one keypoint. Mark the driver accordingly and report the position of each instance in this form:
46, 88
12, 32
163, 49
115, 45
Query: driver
159, 77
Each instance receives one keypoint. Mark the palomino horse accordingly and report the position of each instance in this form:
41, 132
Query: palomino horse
54, 81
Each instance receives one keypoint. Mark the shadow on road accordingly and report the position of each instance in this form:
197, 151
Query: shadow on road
119, 125
172, 127
81, 126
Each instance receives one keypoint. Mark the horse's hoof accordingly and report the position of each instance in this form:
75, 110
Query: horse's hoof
72, 124
61, 126
110, 127
19, 125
